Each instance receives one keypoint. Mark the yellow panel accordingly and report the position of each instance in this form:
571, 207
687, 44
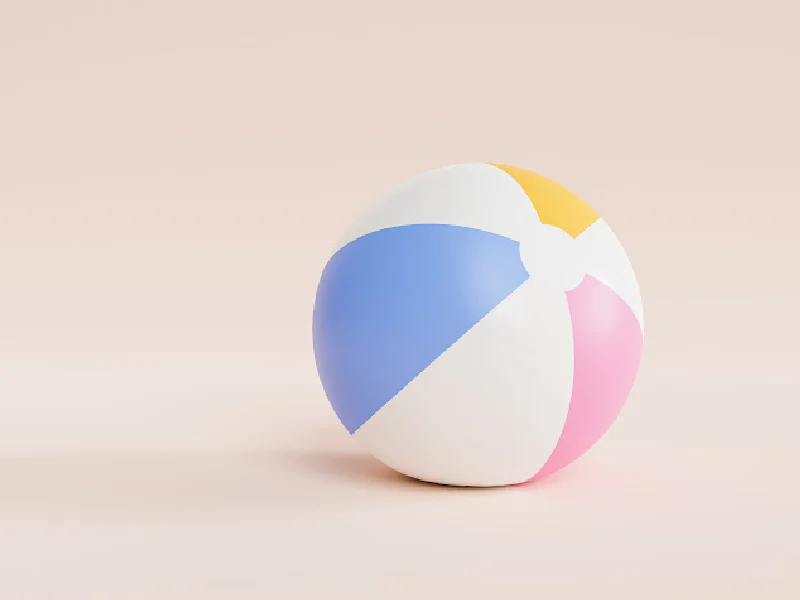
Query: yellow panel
556, 205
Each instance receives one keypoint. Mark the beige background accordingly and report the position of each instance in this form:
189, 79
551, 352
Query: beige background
172, 177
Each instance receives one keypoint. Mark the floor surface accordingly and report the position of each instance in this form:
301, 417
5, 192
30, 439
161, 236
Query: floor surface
643, 515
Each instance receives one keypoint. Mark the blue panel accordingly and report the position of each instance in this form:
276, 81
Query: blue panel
392, 301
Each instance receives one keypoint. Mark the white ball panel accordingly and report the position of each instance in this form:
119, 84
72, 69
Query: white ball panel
490, 410
469, 195
606, 260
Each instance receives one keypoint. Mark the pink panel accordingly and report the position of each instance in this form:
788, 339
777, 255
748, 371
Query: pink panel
608, 347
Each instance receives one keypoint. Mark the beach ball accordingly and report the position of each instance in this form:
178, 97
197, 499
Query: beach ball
479, 325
